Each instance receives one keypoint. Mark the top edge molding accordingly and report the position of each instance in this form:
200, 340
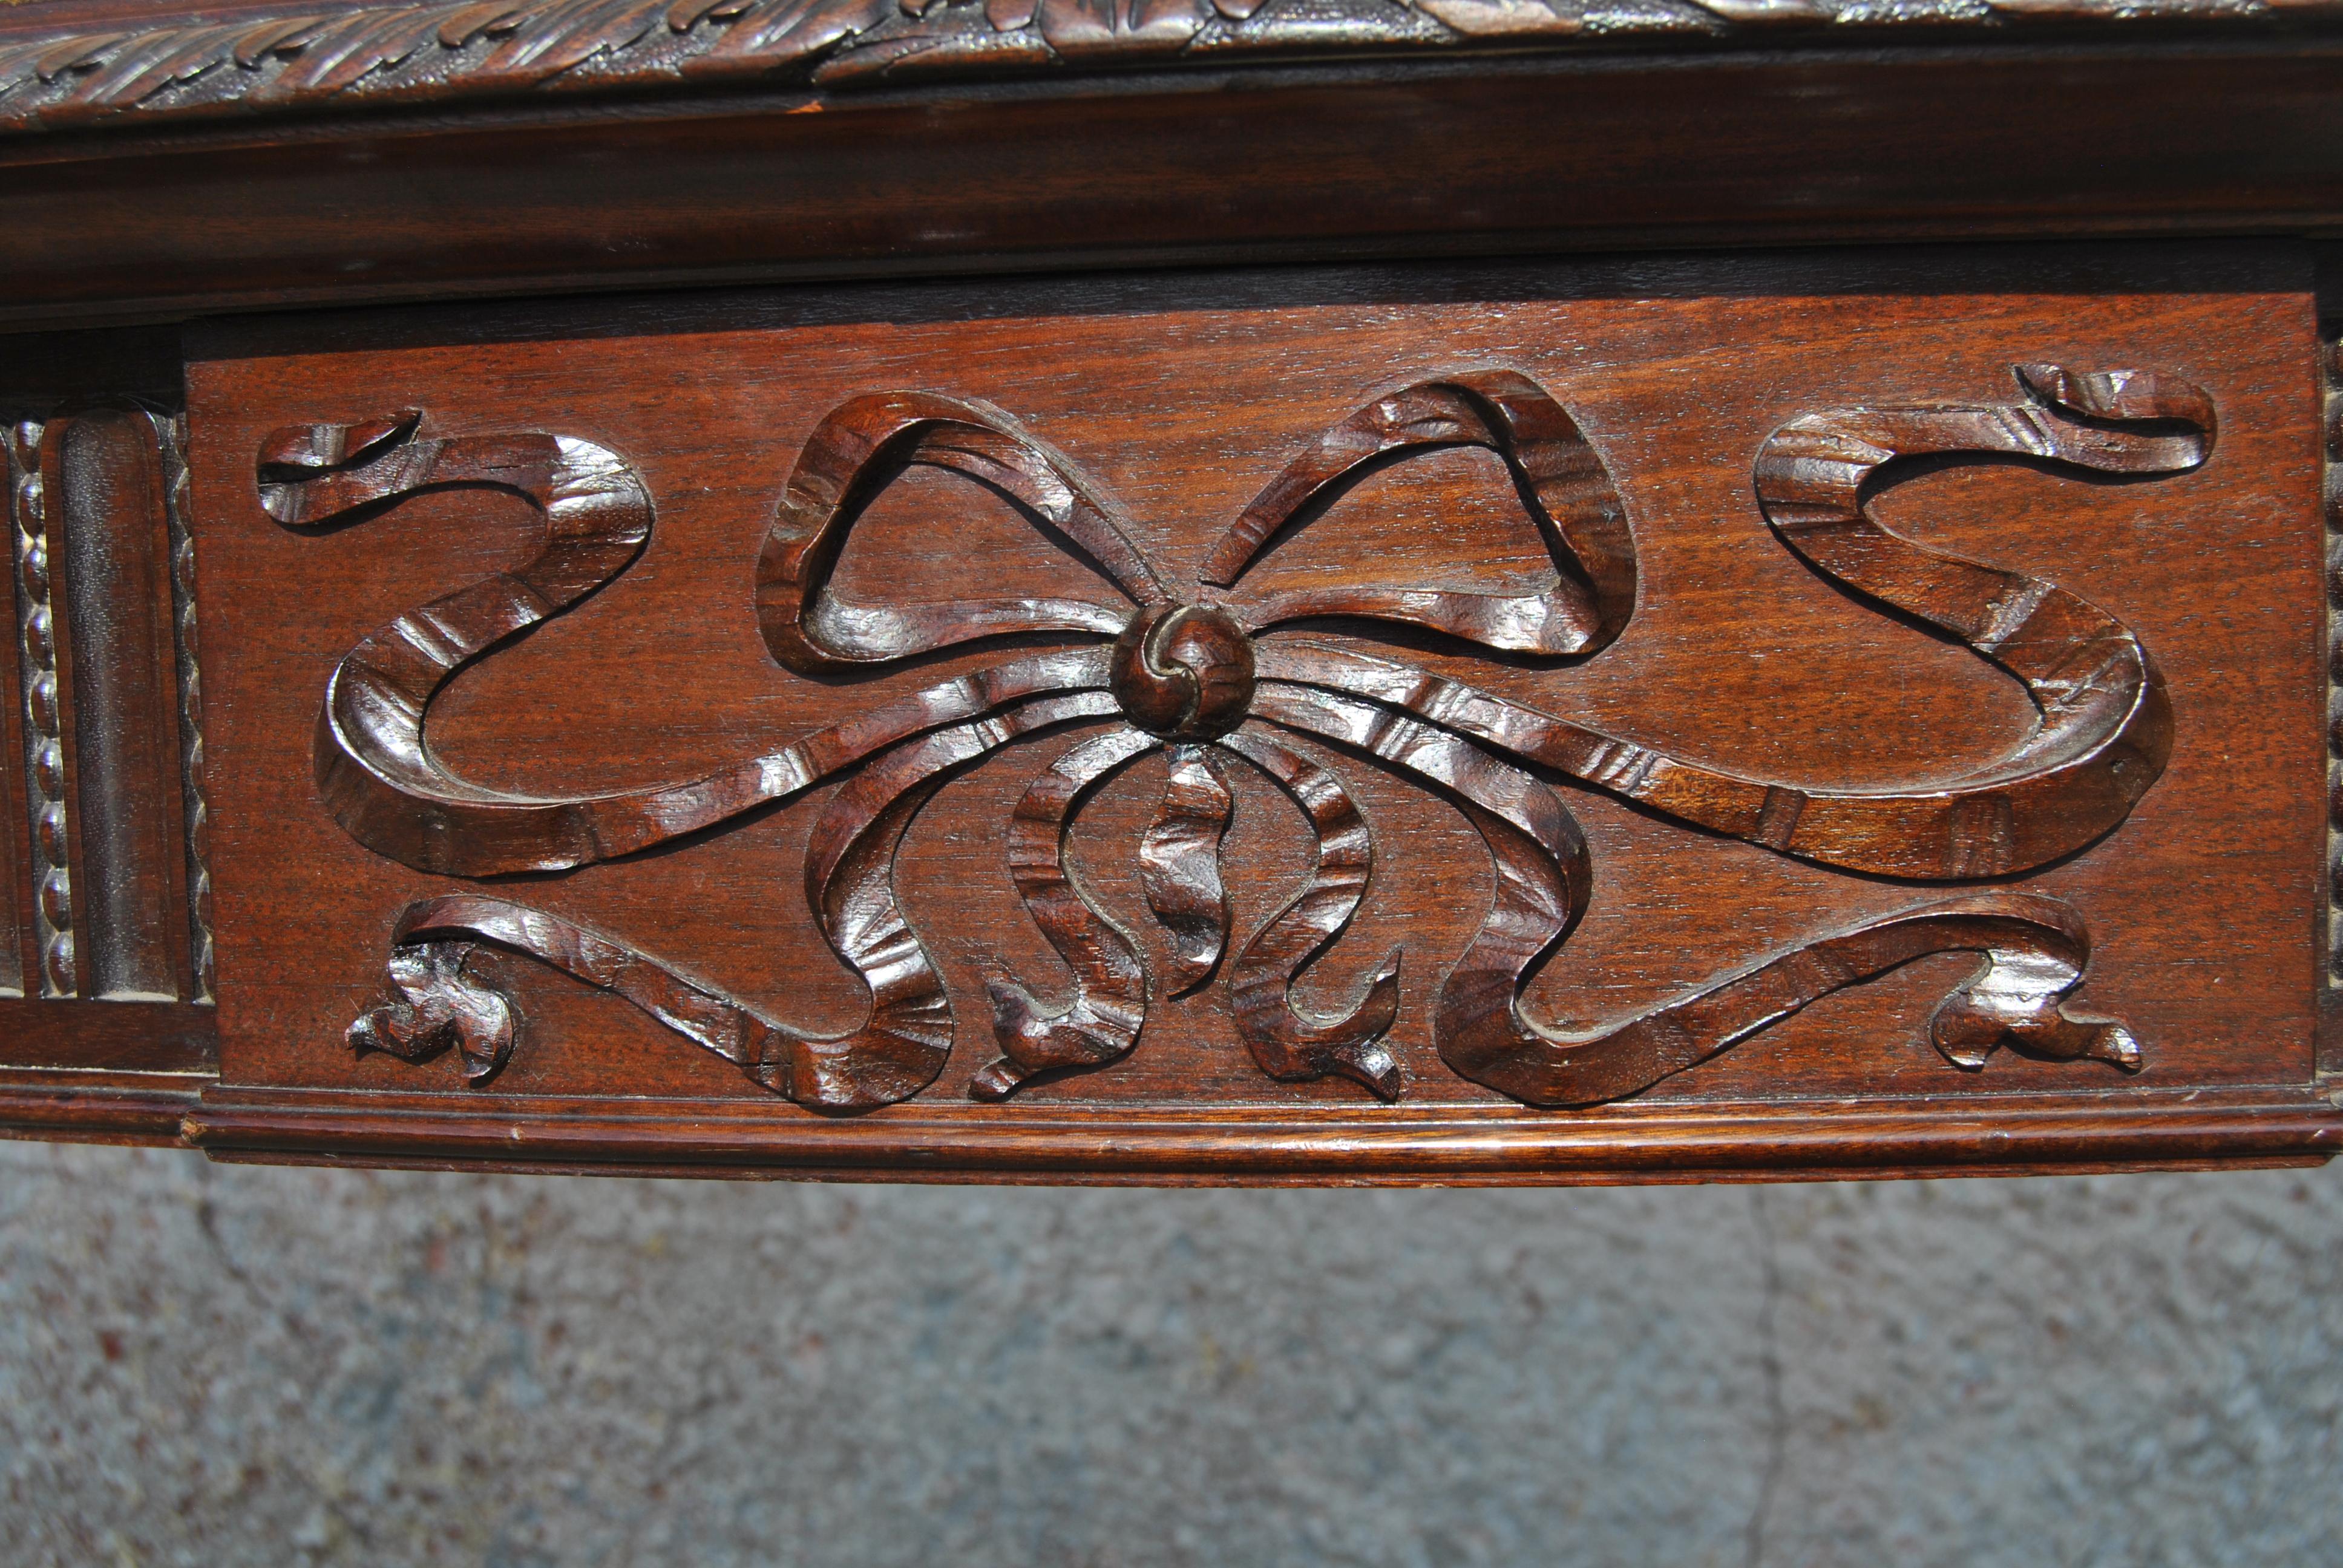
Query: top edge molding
395, 57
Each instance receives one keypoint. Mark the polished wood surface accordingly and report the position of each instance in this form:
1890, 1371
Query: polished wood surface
109, 967
718, 555
105, 61
1129, 707
2232, 136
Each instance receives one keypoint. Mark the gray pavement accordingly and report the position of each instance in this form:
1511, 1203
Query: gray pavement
218, 1366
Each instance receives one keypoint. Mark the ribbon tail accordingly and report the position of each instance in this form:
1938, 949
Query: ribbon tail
899, 1050
375, 767
1110, 1005
440, 1003
1288, 1045
1180, 865
444, 1000
2035, 949
2105, 727
1993, 827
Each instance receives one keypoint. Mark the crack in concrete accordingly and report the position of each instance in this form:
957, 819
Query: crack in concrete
207, 1221
1769, 1364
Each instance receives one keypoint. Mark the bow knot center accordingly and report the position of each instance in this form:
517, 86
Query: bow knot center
1184, 672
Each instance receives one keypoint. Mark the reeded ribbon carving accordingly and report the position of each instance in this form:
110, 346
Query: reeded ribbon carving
1192, 673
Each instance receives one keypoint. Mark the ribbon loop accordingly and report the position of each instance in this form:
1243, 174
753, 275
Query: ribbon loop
1563, 486
863, 446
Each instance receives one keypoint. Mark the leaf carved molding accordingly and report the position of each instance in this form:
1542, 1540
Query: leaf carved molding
392, 56
1220, 678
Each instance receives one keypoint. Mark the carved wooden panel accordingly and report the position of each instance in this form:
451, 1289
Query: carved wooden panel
1489, 722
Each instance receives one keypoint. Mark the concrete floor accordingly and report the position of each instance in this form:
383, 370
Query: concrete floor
220, 1366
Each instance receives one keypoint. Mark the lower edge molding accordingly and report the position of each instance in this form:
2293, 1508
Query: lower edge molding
120, 1108
1999, 1136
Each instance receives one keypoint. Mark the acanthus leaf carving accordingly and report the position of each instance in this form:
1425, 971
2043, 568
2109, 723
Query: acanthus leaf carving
1197, 677
428, 51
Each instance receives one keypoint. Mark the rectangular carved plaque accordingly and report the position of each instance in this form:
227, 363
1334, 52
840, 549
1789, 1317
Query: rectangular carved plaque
1500, 722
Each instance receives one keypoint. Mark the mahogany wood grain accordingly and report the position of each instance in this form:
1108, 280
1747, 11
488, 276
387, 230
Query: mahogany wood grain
1187, 673
1992, 1136
108, 1007
79, 1105
1661, 526
1711, 714
1630, 151
110, 563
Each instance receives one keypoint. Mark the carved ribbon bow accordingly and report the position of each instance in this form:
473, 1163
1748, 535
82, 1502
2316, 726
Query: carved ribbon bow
1192, 674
